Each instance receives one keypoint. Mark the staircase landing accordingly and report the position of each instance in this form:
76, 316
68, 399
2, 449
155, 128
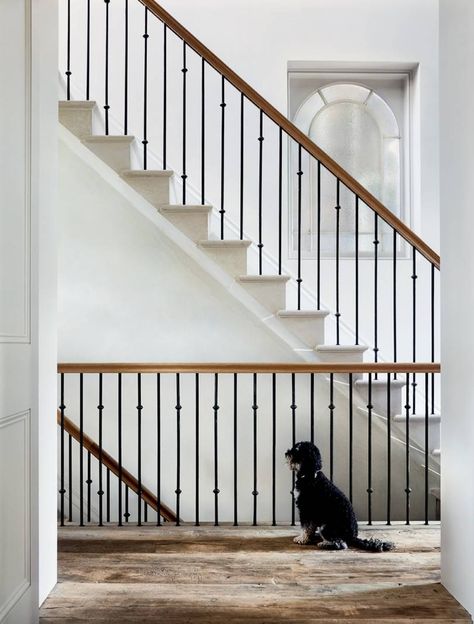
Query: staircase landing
230, 575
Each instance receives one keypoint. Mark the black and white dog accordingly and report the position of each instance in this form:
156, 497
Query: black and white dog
326, 514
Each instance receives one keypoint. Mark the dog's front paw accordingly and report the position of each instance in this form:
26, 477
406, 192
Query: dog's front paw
301, 539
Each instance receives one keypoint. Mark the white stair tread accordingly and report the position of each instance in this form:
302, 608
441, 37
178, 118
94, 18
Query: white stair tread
77, 104
263, 278
432, 418
146, 173
108, 138
186, 209
436, 452
216, 244
342, 348
306, 314
378, 383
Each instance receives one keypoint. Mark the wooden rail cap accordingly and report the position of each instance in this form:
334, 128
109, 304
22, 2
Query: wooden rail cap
291, 130
110, 463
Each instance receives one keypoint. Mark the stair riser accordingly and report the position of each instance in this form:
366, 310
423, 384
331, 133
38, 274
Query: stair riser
194, 226
308, 330
76, 120
271, 296
379, 399
156, 190
417, 433
115, 154
234, 261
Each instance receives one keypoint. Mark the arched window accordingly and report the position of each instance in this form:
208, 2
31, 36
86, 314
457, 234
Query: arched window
358, 129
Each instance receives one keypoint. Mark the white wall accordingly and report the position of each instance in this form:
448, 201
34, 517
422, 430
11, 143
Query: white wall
457, 225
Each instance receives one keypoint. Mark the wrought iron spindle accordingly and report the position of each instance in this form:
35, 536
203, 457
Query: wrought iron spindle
318, 234
196, 496
119, 442
432, 336
68, 52
394, 297
203, 131
274, 423
158, 448
427, 451
376, 285
178, 447
62, 490
356, 264
293, 407
331, 407
139, 446
351, 435
126, 515
216, 450
222, 105
183, 174
70, 476
414, 277
125, 89
107, 508
389, 448
81, 449
280, 196
165, 84
338, 221
299, 174
145, 94
88, 49
89, 483
255, 442
235, 450
100, 407
407, 450
369, 450
106, 81
311, 407
260, 193
242, 138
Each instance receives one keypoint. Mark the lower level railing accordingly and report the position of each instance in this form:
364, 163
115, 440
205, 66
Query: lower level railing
205, 442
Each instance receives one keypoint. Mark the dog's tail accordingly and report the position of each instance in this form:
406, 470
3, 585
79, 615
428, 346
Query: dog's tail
372, 544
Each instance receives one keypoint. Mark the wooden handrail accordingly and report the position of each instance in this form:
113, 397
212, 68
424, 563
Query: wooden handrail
297, 367
110, 463
291, 130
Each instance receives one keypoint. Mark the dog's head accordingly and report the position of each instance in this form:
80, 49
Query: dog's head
304, 458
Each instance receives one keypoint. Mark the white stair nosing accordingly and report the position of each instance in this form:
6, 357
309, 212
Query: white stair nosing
77, 104
436, 452
259, 279
108, 138
305, 314
222, 244
432, 418
395, 383
146, 173
186, 209
341, 348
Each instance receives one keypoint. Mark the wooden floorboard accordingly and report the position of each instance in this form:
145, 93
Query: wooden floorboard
229, 575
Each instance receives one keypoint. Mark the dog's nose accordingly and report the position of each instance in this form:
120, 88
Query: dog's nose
287, 453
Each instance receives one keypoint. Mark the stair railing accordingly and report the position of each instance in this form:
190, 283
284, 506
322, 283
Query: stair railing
397, 279
213, 436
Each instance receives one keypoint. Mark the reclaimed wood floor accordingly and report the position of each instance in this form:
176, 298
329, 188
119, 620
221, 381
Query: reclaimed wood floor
228, 575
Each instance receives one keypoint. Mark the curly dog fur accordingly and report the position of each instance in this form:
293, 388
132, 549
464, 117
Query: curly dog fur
326, 514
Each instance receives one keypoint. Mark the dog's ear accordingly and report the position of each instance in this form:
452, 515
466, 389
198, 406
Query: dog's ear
311, 461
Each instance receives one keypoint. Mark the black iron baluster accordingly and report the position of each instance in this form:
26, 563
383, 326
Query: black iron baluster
273, 449
125, 90
293, 442
216, 450
235, 450
389, 448
260, 192
100, 407
376, 285
107, 508
183, 175
62, 490
106, 90
254, 409
145, 92
280, 196
356, 286
299, 174
81, 448
351, 435
178, 447
427, 458
88, 49
203, 131
407, 449
369, 450
145, 512
414, 277
119, 441
158, 448
126, 515
432, 336
222, 105
338, 220
331, 426
311, 407
68, 53
242, 166
318, 234
139, 445
196, 522
164, 94
89, 483
394, 279
70, 476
